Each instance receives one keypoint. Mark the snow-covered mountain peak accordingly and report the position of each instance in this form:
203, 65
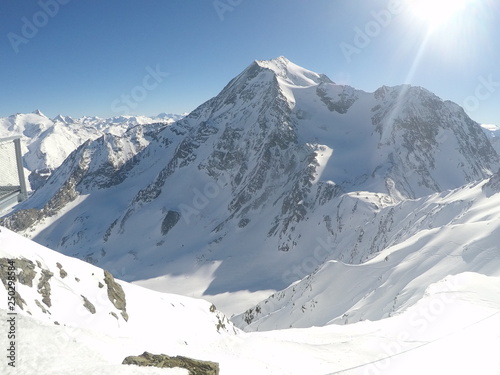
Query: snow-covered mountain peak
271, 168
63, 119
292, 74
39, 113
491, 127
46, 143
286, 186
59, 118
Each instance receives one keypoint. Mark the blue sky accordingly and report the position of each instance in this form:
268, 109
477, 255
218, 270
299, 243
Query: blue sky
83, 57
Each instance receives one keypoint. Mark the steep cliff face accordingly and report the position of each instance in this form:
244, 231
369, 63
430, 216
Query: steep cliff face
281, 167
432, 144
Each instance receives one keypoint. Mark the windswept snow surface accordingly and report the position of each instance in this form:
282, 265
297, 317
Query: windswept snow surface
454, 328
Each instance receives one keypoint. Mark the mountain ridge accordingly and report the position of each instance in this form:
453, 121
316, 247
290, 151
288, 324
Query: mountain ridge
47, 142
275, 165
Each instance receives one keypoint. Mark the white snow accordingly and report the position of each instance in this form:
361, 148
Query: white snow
374, 282
430, 239
47, 143
454, 328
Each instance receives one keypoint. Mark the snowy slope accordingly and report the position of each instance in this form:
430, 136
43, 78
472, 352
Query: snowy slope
424, 241
372, 216
73, 318
260, 185
69, 292
454, 328
48, 142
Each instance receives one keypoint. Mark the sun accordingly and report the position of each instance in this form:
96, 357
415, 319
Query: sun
437, 12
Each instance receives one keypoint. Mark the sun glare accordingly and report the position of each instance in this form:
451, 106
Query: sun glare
437, 12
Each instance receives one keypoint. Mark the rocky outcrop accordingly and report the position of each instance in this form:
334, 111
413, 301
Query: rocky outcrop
492, 187
62, 272
194, 366
169, 222
116, 294
346, 98
44, 287
25, 274
88, 305
21, 219
25, 271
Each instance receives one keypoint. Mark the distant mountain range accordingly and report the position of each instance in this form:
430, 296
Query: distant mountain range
47, 142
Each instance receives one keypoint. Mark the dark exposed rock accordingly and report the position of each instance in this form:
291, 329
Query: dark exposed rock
108, 231
21, 219
220, 323
326, 192
62, 272
116, 294
492, 187
44, 310
88, 305
249, 316
243, 222
20, 301
221, 318
342, 105
169, 222
194, 366
44, 287
183, 156
25, 272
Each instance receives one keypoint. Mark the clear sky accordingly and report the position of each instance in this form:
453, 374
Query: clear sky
86, 57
